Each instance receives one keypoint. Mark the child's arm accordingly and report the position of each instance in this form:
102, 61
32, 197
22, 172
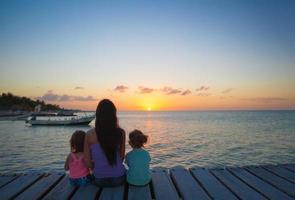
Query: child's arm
87, 155
149, 157
66, 167
126, 160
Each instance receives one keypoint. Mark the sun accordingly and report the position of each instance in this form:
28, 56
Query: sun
148, 108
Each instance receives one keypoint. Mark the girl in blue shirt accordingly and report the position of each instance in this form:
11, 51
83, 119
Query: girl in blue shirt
138, 160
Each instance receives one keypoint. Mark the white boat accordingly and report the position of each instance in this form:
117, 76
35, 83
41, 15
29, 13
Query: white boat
83, 120
21, 117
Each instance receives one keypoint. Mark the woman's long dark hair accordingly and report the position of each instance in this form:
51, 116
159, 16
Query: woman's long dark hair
108, 132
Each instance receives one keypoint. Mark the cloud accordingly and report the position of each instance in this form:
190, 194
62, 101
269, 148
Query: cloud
227, 91
50, 96
166, 90
79, 88
64, 98
202, 88
186, 92
225, 97
265, 99
121, 88
203, 94
81, 98
170, 91
145, 90
173, 91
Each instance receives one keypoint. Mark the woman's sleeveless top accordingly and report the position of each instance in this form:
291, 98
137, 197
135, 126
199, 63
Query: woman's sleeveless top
102, 169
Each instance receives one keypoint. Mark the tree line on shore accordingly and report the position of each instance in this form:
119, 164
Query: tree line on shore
8, 101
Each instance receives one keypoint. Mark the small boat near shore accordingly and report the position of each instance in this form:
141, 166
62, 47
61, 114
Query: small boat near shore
78, 120
15, 117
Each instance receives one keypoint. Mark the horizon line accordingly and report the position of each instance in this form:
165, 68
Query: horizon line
201, 110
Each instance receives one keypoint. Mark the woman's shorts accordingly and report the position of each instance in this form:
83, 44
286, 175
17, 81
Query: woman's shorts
110, 182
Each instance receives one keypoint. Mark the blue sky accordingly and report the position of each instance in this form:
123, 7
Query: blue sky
98, 45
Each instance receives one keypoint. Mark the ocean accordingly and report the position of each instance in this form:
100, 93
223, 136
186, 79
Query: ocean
205, 138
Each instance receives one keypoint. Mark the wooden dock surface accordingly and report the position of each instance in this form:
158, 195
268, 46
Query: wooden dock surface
275, 182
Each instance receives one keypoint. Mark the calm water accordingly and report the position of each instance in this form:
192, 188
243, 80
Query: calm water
175, 138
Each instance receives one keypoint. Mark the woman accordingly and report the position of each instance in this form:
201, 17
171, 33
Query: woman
104, 147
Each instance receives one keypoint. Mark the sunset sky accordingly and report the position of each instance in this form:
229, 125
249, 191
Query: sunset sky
157, 55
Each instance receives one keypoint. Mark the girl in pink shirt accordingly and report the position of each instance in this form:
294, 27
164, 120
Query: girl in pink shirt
75, 162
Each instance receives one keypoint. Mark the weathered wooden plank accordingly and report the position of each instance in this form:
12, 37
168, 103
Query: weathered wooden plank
163, 185
61, 191
15, 187
271, 178
6, 179
214, 187
242, 190
290, 167
86, 192
113, 193
282, 172
257, 183
40, 187
142, 193
187, 185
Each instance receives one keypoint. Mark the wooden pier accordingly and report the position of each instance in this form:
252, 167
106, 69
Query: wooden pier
253, 182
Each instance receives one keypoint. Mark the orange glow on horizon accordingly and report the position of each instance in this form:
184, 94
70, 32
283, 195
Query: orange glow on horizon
238, 99
153, 103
